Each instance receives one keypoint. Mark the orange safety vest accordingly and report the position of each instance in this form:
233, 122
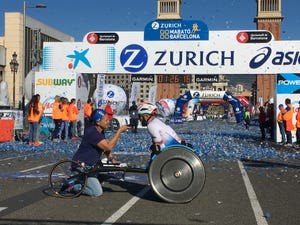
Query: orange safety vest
41, 109
288, 118
73, 113
65, 112
87, 110
279, 117
56, 112
298, 118
32, 117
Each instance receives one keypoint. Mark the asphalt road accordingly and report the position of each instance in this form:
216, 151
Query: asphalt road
245, 192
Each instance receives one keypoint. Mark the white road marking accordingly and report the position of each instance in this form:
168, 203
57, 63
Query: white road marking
113, 218
259, 216
2, 208
35, 168
20, 156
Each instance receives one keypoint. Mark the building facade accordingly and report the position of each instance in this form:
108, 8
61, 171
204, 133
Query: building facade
268, 18
25, 37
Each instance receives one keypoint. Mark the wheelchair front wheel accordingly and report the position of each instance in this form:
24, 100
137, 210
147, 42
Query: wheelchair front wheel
67, 178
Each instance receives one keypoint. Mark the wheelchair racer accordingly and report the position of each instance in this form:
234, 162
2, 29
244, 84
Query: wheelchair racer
162, 134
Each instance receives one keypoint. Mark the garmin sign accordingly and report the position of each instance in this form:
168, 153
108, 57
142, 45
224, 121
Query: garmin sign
226, 52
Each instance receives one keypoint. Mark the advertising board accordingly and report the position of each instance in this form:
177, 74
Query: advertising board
226, 52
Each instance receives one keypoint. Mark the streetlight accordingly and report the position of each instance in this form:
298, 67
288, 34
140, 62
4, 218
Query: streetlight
14, 65
24, 45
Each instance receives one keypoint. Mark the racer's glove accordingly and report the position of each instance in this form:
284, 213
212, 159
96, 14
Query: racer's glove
183, 142
155, 149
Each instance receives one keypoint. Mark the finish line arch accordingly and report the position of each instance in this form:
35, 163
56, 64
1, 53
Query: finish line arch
216, 95
245, 52
128, 53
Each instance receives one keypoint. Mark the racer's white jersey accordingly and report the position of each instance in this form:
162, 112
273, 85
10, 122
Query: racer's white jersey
162, 134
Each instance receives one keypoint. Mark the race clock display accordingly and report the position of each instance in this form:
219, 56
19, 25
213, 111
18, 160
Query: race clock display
174, 79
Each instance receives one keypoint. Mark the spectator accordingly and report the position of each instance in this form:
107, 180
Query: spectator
73, 117
65, 119
247, 118
134, 117
196, 111
34, 115
262, 122
288, 121
41, 109
56, 117
281, 123
298, 126
87, 111
270, 119
109, 111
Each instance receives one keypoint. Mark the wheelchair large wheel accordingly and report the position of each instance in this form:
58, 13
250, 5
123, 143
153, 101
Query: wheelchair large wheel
67, 179
177, 175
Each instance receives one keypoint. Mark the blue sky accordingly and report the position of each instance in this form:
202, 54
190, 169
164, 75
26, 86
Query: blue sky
78, 17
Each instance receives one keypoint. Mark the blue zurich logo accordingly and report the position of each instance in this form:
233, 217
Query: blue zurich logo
133, 58
110, 94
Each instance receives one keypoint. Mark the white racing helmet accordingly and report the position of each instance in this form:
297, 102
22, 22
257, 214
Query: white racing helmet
147, 108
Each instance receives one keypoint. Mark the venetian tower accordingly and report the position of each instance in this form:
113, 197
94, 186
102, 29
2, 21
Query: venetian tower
168, 10
268, 18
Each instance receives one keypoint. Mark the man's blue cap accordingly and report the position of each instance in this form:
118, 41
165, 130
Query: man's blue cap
98, 114
280, 106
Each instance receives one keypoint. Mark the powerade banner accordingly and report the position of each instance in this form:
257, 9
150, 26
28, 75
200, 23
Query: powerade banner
288, 83
226, 52
170, 30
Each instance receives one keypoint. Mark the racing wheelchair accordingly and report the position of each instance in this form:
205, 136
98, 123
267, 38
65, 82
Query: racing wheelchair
176, 174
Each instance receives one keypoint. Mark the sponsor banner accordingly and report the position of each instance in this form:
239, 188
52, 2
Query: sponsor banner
254, 37
208, 94
206, 78
131, 54
170, 30
152, 94
16, 115
135, 90
102, 38
50, 84
288, 86
288, 83
99, 89
144, 78
113, 93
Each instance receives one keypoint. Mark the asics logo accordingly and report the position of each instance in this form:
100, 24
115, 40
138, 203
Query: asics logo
260, 58
280, 58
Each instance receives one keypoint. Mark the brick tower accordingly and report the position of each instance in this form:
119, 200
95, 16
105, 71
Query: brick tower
268, 18
168, 10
